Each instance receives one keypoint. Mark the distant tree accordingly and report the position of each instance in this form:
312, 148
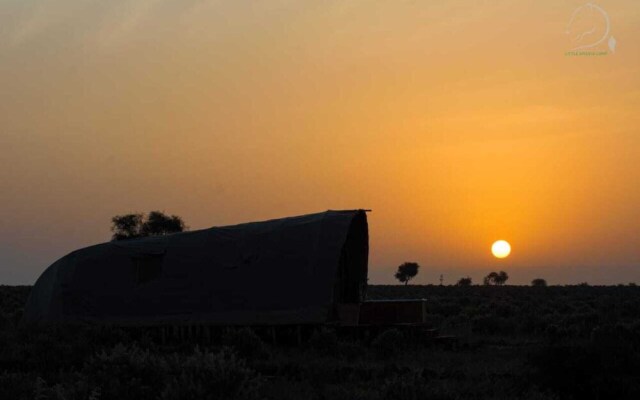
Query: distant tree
407, 271
539, 282
490, 279
464, 281
126, 226
158, 224
131, 226
502, 278
496, 278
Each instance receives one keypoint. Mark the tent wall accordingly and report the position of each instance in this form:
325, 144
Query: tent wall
290, 270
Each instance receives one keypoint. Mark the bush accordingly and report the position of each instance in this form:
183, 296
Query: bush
408, 387
128, 372
464, 281
539, 282
493, 325
389, 343
79, 390
350, 351
16, 386
246, 343
348, 392
587, 372
324, 341
205, 375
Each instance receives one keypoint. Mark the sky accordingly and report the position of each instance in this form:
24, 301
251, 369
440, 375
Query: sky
457, 122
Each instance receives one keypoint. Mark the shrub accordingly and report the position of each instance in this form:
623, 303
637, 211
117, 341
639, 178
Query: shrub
245, 342
350, 351
388, 343
128, 372
407, 387
324, 341
539, 282
493, 325
464, 281
348, 392
586, 372
16, 386
79, 390
206, 375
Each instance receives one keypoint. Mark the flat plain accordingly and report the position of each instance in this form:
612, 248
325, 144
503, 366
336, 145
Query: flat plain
509, 342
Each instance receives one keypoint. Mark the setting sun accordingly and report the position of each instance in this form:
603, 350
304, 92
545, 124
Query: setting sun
501, 249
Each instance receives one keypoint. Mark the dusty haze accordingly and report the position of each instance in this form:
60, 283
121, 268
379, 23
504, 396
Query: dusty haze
458, 123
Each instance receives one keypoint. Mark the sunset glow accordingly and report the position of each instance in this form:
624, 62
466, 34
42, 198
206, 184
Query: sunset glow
225, 112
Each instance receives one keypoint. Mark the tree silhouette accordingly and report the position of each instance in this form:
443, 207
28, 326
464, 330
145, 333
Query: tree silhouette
502, 278
126, 226
464, 281
496, 278
539, 282
158, 223
490, 279
407, 271
131, 226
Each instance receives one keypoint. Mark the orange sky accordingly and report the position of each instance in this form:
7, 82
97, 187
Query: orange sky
458, 123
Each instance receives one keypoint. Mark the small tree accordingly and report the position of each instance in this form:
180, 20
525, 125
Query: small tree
464, 281
126, 226
158, 223
502, 278
131, 226
539, 282
407, 271
490, 279
496, 278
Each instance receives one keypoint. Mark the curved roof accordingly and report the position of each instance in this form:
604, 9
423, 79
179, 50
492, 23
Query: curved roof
289, 270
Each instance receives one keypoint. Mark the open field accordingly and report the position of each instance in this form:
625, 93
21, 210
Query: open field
577, 342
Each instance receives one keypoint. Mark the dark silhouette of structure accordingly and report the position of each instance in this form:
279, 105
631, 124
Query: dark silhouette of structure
284, 271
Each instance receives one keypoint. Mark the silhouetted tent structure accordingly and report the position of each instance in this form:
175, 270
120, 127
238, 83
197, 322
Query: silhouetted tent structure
283, 271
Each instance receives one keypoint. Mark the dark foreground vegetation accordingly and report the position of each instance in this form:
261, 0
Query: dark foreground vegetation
576, 342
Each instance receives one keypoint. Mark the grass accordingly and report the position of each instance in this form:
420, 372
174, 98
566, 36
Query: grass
574, 342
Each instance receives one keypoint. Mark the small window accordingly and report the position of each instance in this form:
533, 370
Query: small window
147, 268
